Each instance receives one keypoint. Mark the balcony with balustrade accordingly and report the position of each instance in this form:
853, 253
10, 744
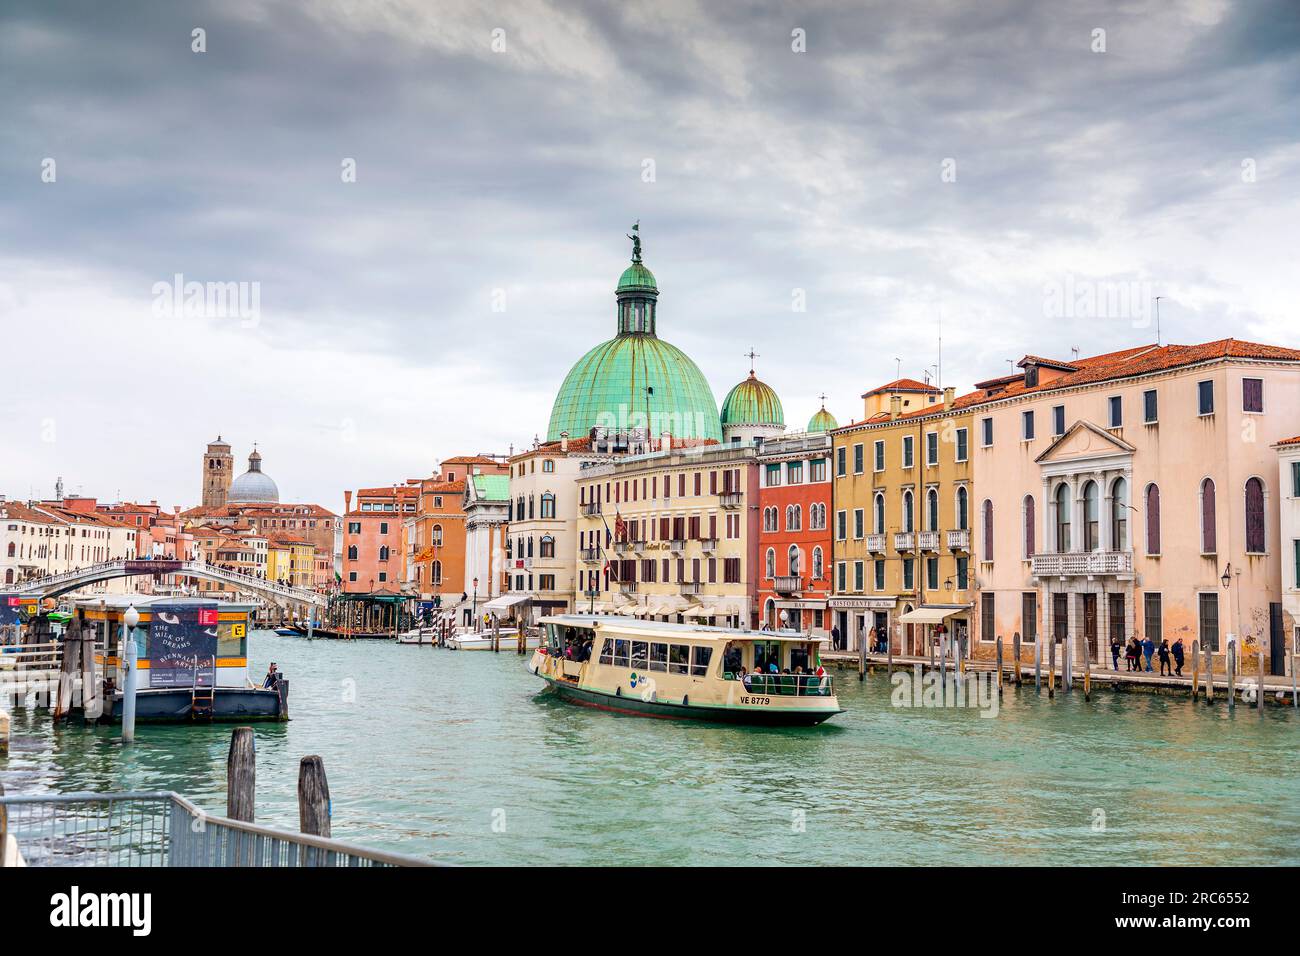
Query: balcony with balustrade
627, 587
787, 583
590, 555
959, 540
1065, 564
905, 541
731, 499
927, 540
690, 588
591, 509
708, 545
876, 543
677, 544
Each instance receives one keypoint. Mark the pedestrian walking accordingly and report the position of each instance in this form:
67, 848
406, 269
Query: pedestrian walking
1178, 653
1114, 652
1148, 649
1164, 658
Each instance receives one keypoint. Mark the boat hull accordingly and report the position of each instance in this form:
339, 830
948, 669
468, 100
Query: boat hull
162, 705
753, 716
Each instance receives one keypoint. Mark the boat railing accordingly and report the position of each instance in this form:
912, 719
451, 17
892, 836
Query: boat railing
789, 685
161, 828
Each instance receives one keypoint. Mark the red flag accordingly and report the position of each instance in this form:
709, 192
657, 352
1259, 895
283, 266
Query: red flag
620, 527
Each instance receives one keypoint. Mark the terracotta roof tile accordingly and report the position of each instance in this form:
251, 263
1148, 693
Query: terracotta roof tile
904, 385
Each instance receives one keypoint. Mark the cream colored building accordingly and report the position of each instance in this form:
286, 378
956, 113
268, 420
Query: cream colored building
668, 535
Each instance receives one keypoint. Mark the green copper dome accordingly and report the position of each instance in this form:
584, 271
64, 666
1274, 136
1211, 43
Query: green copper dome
823, 421
636, 380
752, 403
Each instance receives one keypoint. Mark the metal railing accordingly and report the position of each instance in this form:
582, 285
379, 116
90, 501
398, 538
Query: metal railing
160, 828
788, 685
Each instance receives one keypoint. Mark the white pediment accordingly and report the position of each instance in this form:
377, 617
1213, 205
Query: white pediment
1086, 443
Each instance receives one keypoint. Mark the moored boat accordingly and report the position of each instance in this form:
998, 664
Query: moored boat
685, 671
482, 640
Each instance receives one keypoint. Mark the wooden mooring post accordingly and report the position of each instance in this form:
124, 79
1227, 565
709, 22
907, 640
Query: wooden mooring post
1196, 669
1051, 669
1067, 664
862, 657
313, 797
1232, 676
241, 775
1000, 665
496, 635
1209, 675
1015, 650
889, 661
1087, 677
1038, 666
1259, 693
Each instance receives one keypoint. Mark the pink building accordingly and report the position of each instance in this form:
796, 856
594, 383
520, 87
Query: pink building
1135, 493
374, 558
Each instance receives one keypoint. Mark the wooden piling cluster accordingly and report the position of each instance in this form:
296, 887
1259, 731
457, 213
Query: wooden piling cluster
241, 785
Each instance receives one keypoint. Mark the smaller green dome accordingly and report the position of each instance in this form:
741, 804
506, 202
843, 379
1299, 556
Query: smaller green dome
823, 421
752, 403
637, 278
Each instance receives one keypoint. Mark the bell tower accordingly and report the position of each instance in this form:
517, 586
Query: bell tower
218, 472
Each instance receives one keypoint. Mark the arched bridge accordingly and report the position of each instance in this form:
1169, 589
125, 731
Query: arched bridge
56, 584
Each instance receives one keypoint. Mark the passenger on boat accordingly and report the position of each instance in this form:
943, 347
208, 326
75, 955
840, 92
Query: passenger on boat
272, 676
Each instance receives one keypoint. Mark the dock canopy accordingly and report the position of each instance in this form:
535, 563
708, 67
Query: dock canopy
504, 603
929, 615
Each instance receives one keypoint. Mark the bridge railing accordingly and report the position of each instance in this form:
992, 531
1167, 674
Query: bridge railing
106, 569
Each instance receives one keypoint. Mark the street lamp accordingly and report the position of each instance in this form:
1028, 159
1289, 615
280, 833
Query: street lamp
1227, 576
130, 657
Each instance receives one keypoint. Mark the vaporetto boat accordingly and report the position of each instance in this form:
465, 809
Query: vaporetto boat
658, 669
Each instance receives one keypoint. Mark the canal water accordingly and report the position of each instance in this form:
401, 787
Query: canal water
461, 757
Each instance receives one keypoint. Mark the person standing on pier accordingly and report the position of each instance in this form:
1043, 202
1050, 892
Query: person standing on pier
1164, 658
1178, 657
1131, 654
1114, 652
1148, 648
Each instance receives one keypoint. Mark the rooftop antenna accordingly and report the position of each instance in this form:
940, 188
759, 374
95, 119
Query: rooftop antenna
1074, 350
1158, 298
938, 369
898, 371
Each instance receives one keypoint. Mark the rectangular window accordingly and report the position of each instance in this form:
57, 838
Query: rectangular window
1205, 398
963, 444
1295, 479
607, 651
1153, 618
640, 655
1208, 605
354, 527
859, 522
987, 625
907, 451
986, 432
773, 475
1060, 616
840, 456
963, 573
679, 658
932, 573
880, 574
622, 652
857, 459
658, 656
841, 576
1116, 406
841, 525
909, 574
1027, 426
794, 472
878, 450
1058, 420
817, 470
700, 656
858, 581
1252, 395
1296, 565
1029, 616
932, 448
1150, 407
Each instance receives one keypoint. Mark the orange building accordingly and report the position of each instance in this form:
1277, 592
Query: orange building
435, 541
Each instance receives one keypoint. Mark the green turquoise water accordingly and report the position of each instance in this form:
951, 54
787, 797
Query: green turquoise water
463, 757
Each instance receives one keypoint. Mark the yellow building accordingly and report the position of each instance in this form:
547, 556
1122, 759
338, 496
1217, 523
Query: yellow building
666, 536
291, 561
902, 518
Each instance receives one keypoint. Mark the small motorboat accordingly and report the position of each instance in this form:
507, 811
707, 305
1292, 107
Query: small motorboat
482, 640
286, 632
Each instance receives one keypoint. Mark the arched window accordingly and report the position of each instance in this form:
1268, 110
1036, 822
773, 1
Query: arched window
878, 519
1209, 518
435, 536
548, 505
818, 567
383, 553
11, 549
1091, 516
1256, 542
519, 509
793, 518
1062, 517
532, 501
352, 552
771, 563
932, 510
435, 572
547, 547
1119, 515
1030, 522
794, 559
987, 529
909, 513
1153, 519
963, 510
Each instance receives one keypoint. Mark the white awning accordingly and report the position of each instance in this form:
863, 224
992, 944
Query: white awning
504, 603
698, 611
929, 615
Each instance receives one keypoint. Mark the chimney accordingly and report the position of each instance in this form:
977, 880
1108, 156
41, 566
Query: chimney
895, 406
564, 442
347, 501
948, 394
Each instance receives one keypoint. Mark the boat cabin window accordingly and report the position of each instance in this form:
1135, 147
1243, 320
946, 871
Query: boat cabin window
607, 652
801, 656
570, 643
679, 658
640, 655
732, 659
700, 662
767, 655
658, 657
621, 652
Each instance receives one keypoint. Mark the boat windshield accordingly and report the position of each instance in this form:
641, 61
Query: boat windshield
568, 642
776, 667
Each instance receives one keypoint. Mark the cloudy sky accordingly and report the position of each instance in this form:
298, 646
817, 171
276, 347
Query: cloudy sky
1025, 176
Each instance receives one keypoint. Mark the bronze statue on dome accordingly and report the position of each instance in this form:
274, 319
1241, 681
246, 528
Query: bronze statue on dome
636, 241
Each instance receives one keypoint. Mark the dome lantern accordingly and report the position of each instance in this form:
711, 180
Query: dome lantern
253, 485
752, 410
